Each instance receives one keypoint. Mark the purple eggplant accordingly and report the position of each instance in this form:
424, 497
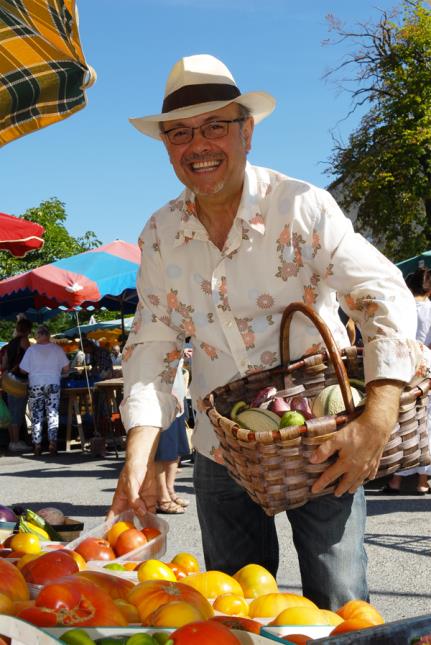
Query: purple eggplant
262, 396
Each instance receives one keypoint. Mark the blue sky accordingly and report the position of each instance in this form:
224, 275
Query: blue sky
110, 177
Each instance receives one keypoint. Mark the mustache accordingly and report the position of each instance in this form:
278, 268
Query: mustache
205, 156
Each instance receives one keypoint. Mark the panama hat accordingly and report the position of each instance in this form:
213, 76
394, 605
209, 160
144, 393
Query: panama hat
199, 84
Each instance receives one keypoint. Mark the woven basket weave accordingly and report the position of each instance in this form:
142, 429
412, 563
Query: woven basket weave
273, 466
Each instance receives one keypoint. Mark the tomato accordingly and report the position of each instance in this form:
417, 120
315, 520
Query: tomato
148, 596
180, 572
92, 548
300, 616
271, 604
128, 541
114, 586
187, 561
362, 610
6, 604
128, 610
73, 601
12, 582
213, 583
205, 632
255, 581
150, 532
350, 625
239, 622
116, 529
174, 614
155, 570
231, 604
25, 543
49, 567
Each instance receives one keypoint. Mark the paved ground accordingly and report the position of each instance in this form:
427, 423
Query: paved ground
398, 528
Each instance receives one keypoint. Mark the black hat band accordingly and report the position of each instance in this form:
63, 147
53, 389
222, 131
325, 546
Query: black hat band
203, 93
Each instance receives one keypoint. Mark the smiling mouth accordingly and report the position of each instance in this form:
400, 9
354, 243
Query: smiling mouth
205, 166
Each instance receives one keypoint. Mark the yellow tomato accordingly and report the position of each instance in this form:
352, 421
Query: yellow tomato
116, 530
6, 605
25, 543
332, 617
155, 570
128, 610
231, 604
27, 558
174, 614
187, 561
82, 565
255, 581
300, 616
213, 583
271, 604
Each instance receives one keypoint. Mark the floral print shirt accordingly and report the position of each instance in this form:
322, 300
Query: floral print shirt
289, 242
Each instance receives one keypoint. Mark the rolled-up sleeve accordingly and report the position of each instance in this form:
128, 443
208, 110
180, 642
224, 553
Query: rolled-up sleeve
371, 290
153, 349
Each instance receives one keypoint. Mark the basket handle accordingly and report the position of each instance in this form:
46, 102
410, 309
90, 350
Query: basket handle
328, 339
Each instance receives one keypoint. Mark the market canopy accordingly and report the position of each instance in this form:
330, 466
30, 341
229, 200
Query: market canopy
19, 236
102, 326
410, 265
102, 277
43, 72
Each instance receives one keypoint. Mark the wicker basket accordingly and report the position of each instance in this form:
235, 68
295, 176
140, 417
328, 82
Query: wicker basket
273, 466
13, 386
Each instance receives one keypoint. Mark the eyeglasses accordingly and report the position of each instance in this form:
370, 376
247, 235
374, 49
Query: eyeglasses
211, 130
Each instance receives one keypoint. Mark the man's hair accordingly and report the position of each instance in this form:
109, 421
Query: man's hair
43, 330
419, 282
23, 326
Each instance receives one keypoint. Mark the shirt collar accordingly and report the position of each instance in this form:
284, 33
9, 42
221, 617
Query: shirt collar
250, 210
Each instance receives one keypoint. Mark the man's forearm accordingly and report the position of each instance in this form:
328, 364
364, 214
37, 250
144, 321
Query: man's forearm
382, 402
142, 444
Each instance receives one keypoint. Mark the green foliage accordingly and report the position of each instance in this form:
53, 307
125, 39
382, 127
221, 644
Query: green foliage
384, 171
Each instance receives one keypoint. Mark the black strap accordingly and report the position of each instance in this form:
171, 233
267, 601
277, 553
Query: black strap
203, 93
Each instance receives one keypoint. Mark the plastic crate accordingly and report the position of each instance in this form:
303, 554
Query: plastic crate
153, 549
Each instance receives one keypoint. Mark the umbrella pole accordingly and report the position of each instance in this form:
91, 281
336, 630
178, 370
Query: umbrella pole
96, 433
122, 323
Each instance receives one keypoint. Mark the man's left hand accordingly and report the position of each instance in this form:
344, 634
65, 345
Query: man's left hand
359, 445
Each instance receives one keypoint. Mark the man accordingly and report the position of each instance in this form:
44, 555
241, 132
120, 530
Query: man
116, 355
219, 264
100, 359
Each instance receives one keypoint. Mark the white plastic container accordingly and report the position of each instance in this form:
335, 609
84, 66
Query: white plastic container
276, 633
153, 549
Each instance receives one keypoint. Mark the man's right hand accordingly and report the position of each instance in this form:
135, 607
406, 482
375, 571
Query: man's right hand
137, 487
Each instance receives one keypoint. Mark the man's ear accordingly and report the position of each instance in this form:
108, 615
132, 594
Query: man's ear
247, 133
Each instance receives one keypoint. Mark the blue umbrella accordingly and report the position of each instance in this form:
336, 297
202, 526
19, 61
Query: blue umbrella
410, 265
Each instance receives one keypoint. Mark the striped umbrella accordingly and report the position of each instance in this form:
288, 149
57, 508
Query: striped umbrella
19, 236
43, 73
102, 277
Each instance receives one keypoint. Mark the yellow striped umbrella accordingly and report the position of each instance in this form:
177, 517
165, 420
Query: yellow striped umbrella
43, 72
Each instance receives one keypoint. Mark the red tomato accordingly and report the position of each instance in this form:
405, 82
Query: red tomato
49, 567
150, 532
115, 586
128, 541
93, 548
74, 602
239, 622
204, 632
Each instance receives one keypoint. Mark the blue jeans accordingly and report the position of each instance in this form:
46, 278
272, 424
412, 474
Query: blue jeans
328, 534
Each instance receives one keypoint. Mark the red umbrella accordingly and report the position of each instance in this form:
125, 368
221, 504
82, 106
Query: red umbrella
19, 236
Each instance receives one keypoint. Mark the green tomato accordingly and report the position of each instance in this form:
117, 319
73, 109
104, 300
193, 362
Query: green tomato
76, 637
115, 566
141, 639
112, 640
161, 638
292, 418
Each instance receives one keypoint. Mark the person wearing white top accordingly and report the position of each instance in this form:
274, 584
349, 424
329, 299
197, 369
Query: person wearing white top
45, 363
219, 264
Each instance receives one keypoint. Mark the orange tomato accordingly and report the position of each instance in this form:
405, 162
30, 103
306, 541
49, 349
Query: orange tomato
150, 532
255, 581
155, 570
350, 625
116, 530
179, 571
174, 614
128, 610
82, 565
362, 610
131, 566
6, 605
213, 583
148, 596
231, 604
300, 616
271, 604
187, 561
25, 543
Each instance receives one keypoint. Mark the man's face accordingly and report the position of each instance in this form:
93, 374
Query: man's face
212, 166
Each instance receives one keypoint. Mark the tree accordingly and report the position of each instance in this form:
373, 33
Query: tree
58, 244
384, 171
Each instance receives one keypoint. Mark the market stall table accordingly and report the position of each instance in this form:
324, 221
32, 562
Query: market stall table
107, 413
77, 397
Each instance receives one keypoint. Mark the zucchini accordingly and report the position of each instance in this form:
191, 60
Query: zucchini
39, 522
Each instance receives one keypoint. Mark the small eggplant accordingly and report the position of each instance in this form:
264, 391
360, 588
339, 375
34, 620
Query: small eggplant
279, 406
262, 396
301, 404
